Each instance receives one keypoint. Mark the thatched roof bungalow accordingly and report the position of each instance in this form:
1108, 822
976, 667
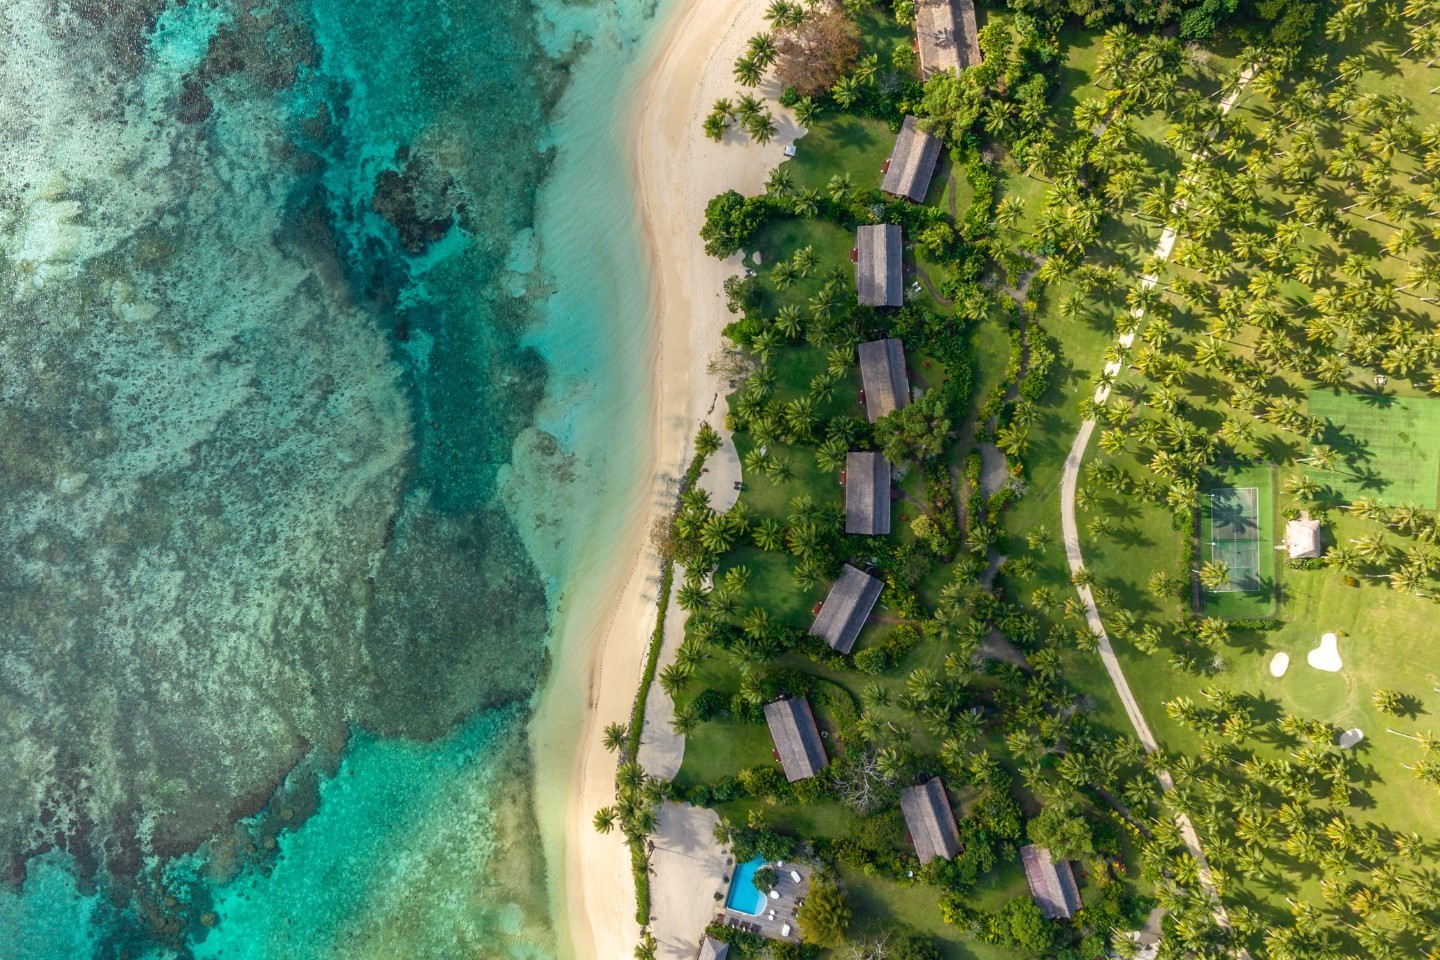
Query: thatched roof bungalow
878, 280
712, 949
911, 163
1302, 538
883, 377
867, 493
797, 739
846, 608
1052, 884
930, 821
947, 35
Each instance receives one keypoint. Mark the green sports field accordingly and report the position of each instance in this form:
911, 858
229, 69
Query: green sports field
1390, 445
1237, 526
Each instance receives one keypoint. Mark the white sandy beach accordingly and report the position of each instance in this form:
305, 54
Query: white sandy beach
677, 172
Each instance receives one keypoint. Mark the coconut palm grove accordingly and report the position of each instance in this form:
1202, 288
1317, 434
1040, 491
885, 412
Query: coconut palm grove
1077, 598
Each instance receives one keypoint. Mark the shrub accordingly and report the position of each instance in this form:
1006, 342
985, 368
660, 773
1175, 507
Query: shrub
825, 914
731, 220
709, 704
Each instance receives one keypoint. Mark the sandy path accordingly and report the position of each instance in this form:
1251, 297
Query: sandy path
677, 172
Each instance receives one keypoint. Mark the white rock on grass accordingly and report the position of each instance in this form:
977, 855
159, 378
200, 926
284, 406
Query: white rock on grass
1351, 737
1279, 664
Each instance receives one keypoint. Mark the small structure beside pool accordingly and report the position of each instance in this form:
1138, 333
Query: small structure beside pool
712, 949
768, 913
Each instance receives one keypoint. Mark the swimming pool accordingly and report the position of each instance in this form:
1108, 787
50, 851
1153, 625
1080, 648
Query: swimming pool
743, 897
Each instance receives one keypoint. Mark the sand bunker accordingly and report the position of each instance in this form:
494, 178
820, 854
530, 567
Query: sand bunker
1326, 656
1351, 737
1279, 664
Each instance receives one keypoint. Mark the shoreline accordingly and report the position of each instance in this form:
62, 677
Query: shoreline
676, 171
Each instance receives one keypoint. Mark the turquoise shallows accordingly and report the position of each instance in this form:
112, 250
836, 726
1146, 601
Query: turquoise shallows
298, 470
743, 896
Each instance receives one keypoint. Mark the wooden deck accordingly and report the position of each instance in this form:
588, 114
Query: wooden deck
783, 908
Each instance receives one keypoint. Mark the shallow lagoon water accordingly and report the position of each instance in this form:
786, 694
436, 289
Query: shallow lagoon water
321, 391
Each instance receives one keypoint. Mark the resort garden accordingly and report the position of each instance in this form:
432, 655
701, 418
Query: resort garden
1151, 279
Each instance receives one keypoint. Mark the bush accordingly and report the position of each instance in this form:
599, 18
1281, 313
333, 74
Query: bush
825, 915
709, 704
731, 220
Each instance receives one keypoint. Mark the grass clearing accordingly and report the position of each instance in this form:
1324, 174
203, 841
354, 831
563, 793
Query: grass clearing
1390, 444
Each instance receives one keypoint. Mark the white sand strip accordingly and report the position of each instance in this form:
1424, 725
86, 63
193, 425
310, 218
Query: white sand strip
677, 172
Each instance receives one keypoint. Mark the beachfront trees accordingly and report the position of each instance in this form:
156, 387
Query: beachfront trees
731, 220
815, 53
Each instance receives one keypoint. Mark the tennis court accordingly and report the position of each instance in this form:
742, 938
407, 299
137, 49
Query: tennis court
1235, 535
1390, 447
1237, 528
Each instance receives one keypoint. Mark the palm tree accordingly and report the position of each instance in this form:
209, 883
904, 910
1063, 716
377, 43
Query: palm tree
761, 128
1215, 575
674, 678
691, 597
806, 111
782, 275
605, 819
686, 719
615, 736
830, 456
748, 71
761, 49
780, 182
866, 68
805, 205
1009, 211
840, 187
769, 535
846, 91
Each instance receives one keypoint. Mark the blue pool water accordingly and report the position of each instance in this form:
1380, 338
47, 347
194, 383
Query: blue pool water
743, 895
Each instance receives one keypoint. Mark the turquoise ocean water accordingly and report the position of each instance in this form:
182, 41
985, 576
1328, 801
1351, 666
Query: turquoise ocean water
321, 324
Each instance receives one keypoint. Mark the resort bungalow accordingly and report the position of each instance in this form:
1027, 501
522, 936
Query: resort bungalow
1302, 538
712, 949
930, 821
911, 163
883, 377
847, 608
797, 739
1052, 885
878, 282
867, 493
947, 35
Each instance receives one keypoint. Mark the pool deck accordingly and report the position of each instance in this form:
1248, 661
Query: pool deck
784, 907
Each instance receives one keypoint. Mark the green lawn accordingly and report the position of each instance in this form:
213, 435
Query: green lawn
1390, 444
883, 906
